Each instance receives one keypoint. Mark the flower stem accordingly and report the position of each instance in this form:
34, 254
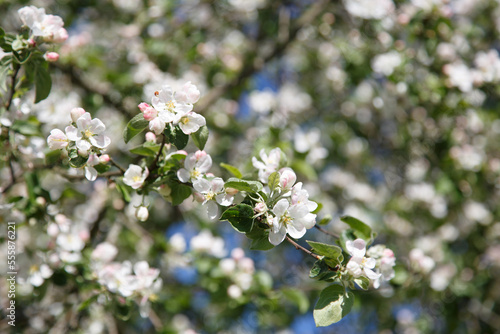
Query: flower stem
305, 250
326, 232
13, 86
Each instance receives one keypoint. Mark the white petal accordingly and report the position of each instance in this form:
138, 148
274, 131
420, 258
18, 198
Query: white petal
205, 163
72, 133
217, 185
296, 230
371, 274
83, 122
90, 173
183, 175
224, 199
202, 185
278, 237
97, 126
82, 144
356, 248
281, 207
298, 211
100, 141
212, 210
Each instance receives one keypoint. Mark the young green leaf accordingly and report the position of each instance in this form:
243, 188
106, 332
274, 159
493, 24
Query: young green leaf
334, 303
261, 243
200, 137
135, 126
43, 82
179, 193
361, 230
362, 282
244, 185
330, 252
176, 137
240, 217
231, 169
273, 181
147, 151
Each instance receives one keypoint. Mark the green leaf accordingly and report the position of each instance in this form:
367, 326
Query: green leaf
334, 303
200, 137
43, 82
273, 181
135, 126
333, 254
124, 190
361, 230
325, 220
231, 169
240, 216
78, 162
27, 128
362, 282
176, 136
261, 243
179, 193
102, 168
17, 44
52, 157
87, 303
297, 297
244, 185
321, 271
147, 151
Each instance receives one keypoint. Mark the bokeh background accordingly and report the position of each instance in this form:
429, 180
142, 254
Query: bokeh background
387, 110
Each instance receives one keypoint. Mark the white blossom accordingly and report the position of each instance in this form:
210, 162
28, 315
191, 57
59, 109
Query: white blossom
359, 265
88, 133
195, 166
49, 27
57, 140
191, 122
135, 176
268, 164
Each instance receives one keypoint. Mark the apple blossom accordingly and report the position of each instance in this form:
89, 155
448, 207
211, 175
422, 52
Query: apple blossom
57, 140
191, 122
287, 178
195, 165
150, 137
359, 265
169, 109
49, 27
105, 252
134, 176
189, 93
51, 57
90, 171
288, 219
88, 133
269, 163
213, 192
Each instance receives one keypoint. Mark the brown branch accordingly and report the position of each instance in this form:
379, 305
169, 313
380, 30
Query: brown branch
326, 232
17, 67
305, 250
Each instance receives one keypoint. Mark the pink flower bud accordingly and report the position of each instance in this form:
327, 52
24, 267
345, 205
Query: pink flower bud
199, 154
260, 207
76, 113
151, 137
287, 178
237, 254
142, 213
143, 106
51, 56
104, 158
32, 42
150, 113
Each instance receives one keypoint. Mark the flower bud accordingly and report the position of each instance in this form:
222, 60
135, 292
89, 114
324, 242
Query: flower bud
287, 178
151, 137
31, 42
231, 191
76, 113
143, 106
104, 158
150, 113
51, 57
199, 154
260, 207
142, 213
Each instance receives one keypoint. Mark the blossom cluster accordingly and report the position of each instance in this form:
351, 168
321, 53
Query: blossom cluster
175, 108
138, 280
48, 27
378, 266
288, 209
84, 140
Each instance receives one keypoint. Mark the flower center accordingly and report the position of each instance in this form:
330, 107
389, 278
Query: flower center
87, 133
170, 106
210, 196
137, 178
184, 120
195, 174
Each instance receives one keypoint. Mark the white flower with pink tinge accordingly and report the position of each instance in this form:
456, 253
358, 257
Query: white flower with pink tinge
135, 176
213, 192
288, 219
148, 284
88, 133
57, 140
191, 122
359, 265
269, 163
195, 166
169, 109
49, 27
189, 93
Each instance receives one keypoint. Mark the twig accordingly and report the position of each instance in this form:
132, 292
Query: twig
305, 250
326, 232
154, 164
114, 163
13, 86
155, 320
